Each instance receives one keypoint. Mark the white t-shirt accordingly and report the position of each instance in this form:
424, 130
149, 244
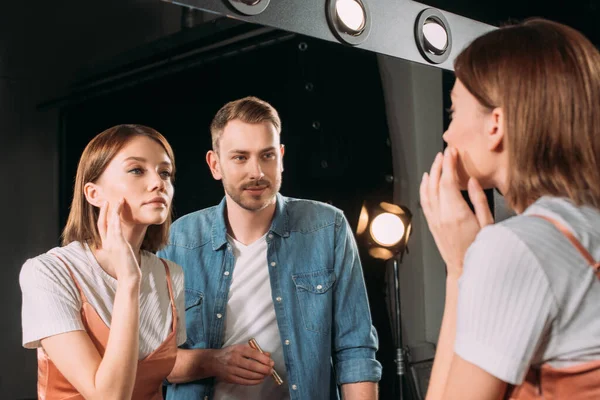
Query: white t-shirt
527, 296
251, 314
52, 304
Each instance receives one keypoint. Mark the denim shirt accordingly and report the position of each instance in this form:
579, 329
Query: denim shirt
323, 315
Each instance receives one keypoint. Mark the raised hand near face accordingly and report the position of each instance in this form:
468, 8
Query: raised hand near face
453, 225
116, 251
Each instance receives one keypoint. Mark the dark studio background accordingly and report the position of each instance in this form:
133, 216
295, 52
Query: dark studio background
336, 147
336, 120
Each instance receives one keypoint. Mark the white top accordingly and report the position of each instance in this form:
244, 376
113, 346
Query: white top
251, 314
52, 304
527, 296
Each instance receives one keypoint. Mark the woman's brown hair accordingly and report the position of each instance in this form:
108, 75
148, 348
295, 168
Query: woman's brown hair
546, 78
82, 222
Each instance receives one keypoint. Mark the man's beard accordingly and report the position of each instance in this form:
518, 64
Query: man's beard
251, 202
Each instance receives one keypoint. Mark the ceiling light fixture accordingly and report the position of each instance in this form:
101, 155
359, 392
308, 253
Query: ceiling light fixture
249, 7
349, 20
433, 36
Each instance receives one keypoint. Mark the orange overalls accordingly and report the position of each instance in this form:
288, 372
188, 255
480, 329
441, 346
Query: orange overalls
579, 382
151, 371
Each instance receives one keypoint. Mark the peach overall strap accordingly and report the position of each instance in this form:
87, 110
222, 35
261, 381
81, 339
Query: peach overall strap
83, 298
170, 286
582, 250
578, 382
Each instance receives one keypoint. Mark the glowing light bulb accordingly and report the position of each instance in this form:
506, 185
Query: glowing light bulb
436, 36
387, 229
351, 14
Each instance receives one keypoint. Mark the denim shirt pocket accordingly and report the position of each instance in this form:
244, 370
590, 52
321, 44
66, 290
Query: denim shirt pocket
315, 296
193, 317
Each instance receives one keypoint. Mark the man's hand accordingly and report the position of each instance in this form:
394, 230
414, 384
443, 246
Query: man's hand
242, 365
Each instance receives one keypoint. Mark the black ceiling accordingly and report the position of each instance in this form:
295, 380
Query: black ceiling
583, 15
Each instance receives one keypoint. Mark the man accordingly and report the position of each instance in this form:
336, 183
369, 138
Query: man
283, 271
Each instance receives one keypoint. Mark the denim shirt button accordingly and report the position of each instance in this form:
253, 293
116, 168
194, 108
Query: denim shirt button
270, 236
287, 342
219, 315
294, 387
278, 299
319, 287
226, 273
273, 263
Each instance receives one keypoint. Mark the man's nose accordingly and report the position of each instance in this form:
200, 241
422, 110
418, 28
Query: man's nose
256, 172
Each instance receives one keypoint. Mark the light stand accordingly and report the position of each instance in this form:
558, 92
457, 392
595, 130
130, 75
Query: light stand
402, 353
384, 228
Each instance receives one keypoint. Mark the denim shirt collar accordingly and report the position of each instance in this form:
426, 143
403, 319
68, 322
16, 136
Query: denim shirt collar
279, 226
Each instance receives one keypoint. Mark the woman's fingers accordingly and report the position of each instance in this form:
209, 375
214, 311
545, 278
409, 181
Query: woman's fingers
424, 194
434, 176
116, 220
449, 178
102, 220
480, 203
433, 187
450, 220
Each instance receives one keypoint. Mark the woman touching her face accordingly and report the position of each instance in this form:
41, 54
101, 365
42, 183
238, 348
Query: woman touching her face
104, 313
521, 318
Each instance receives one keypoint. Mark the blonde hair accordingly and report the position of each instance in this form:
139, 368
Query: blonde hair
82, 221
250, 110
546, 78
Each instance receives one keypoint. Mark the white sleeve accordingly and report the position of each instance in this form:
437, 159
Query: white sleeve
51, 303
179, 296
505, 305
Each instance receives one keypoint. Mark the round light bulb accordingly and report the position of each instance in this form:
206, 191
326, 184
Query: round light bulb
435, 35
351, 14
387, 229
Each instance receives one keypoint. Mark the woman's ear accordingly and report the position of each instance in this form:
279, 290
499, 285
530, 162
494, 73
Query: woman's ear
93, 194
495, 129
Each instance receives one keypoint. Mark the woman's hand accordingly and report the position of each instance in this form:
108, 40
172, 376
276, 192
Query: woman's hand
451, 221
112, 374
117, 252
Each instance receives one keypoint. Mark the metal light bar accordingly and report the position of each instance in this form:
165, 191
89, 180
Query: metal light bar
392, 24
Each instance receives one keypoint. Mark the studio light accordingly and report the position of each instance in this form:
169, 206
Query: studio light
433, 36
249, 7
384, 228
349, 20
387, 229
